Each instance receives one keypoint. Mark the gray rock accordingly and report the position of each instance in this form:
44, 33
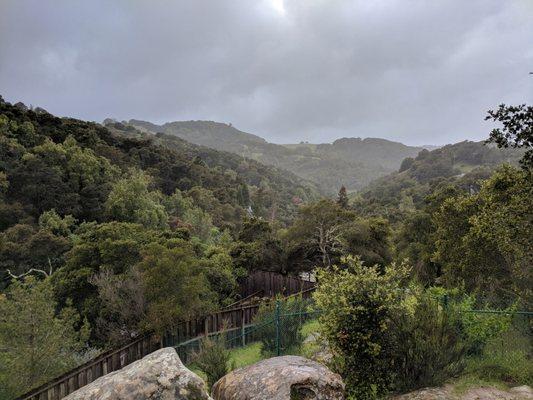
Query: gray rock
158, 376
427, 394
475, 393
525, 392
280, 378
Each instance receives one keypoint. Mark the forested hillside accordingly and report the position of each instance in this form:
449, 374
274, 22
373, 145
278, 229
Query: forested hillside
111, 233
465, 164
351, 162
107, 233
275, 193
462, 215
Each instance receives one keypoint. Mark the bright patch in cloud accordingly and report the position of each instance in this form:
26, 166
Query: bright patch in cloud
279, 6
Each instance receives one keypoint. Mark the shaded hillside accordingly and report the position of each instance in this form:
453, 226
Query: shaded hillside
275, 193
373, 152
352, 162
464, 164
43, 170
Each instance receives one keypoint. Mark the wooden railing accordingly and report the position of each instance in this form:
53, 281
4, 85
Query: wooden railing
99, 366
228, 319
245, 300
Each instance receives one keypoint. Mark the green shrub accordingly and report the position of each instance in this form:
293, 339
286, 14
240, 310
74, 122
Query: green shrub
480, 328
477, 328
36, 342
429, 347
213, 358
358, 304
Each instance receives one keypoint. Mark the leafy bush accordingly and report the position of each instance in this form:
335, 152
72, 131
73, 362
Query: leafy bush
477, 328
386, 336
358, 305
291, 319
36, 342
429, 347
213, 358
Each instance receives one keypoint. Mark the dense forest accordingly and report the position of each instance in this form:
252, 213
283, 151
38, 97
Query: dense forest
352, 162
110, 232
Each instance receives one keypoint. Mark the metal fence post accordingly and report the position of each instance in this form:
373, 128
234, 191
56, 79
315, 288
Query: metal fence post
278, 349
243, 328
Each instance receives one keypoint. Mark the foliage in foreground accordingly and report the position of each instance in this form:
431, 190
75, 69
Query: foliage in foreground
36, 344
383, 336
358, 304
505, 358
213, 358
291, 318
387, 335
429, 346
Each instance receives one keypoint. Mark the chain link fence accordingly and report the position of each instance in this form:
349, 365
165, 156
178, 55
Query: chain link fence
500, 345
500, 341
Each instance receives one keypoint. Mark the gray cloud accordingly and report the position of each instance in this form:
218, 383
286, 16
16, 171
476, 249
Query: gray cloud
422, 72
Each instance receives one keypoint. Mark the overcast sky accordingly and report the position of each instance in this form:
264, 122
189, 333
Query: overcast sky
420, 72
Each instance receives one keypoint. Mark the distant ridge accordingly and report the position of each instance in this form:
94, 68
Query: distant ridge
352, 162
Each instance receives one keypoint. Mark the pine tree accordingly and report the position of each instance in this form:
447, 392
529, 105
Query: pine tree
342, 199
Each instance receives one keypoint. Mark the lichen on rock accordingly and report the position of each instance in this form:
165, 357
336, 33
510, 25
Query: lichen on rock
159, 376
281, 378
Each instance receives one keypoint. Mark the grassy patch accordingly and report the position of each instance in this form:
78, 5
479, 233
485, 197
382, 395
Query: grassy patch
243, 356
505, 362
250, 354
506, 359
310, 327
239, 357
247, 355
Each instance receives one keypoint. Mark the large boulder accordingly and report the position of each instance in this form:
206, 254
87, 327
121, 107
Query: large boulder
474, 393
159, 375
280, 378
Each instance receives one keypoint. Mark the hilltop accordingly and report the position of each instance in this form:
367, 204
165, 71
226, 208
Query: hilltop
353, 162
70, 165
463, 164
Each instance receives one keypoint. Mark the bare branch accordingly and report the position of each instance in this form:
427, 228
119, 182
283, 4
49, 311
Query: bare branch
29, 272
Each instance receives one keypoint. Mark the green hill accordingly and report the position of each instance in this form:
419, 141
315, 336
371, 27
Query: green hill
352, 162
70, 165
275, 193
464, 163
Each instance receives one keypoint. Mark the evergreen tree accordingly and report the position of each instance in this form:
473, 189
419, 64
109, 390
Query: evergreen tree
342, 199
36, 343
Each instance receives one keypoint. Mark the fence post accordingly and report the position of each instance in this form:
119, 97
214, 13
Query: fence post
278, 349
243, 330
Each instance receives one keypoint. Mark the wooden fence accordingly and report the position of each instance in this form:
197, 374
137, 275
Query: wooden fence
186, 334
101, 365
268, 284
272, 283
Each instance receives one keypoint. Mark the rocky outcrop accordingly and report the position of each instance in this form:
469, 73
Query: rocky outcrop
280, 378
525, 392
477, 393
158, 376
